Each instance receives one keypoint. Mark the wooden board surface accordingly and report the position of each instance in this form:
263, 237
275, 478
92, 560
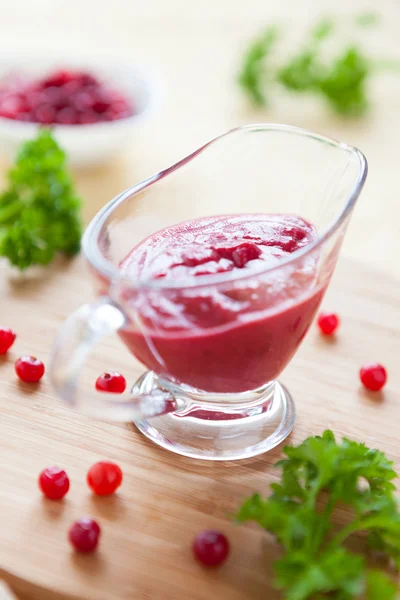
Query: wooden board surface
166, 499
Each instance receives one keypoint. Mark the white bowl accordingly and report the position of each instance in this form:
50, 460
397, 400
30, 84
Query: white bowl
84, 144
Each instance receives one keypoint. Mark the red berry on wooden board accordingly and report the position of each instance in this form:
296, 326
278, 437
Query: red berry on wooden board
328, 323
84, 535
29, 369
211, 547
54, 483
111, 382
104, 478
7, 338
373, 376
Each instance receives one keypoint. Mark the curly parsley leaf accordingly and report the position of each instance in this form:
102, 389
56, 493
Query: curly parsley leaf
340, 78
316, 562
39, 212
253, 73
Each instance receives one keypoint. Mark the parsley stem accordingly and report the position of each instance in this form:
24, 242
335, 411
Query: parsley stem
370, 521
325, 525
344, 534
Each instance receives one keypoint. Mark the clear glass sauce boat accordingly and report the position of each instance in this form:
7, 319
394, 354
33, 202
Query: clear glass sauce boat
211, 388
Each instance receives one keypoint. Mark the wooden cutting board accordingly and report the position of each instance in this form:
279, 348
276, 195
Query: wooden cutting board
166, 499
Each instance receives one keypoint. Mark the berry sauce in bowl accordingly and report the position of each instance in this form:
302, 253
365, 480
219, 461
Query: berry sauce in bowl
63, 97
91, 105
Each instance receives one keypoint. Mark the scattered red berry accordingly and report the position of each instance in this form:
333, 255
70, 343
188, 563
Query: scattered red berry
373, 376
211, 547
328, 323
29, 369
104, 478
7, 338
65, 97
84, 535
111, 382
54, 483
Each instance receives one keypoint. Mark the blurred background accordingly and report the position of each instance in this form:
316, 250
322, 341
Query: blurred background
192, 52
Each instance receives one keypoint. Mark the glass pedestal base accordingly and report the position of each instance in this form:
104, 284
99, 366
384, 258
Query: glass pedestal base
219, 426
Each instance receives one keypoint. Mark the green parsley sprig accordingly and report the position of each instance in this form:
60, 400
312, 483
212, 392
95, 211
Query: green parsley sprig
39, 212
340, 79
316, 563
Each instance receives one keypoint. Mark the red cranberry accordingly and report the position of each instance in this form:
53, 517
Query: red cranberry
84, 535
54, 483
67, 116
373, 376
211, 547
58, 79
54, 96
10, 107
35, 99
100, 107
29, 369
82, 100
87, 117
104, 478
86, 79
71, 88
45, 114
7, 338
111, 382
328, 323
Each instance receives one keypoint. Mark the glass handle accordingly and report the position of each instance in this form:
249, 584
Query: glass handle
79, 334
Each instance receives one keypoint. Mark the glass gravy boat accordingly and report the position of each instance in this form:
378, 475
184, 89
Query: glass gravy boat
211, 388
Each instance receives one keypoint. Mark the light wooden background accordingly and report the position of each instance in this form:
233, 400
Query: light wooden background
193, 47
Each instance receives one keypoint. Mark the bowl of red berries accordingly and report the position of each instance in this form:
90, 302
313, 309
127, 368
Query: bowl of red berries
90, 105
